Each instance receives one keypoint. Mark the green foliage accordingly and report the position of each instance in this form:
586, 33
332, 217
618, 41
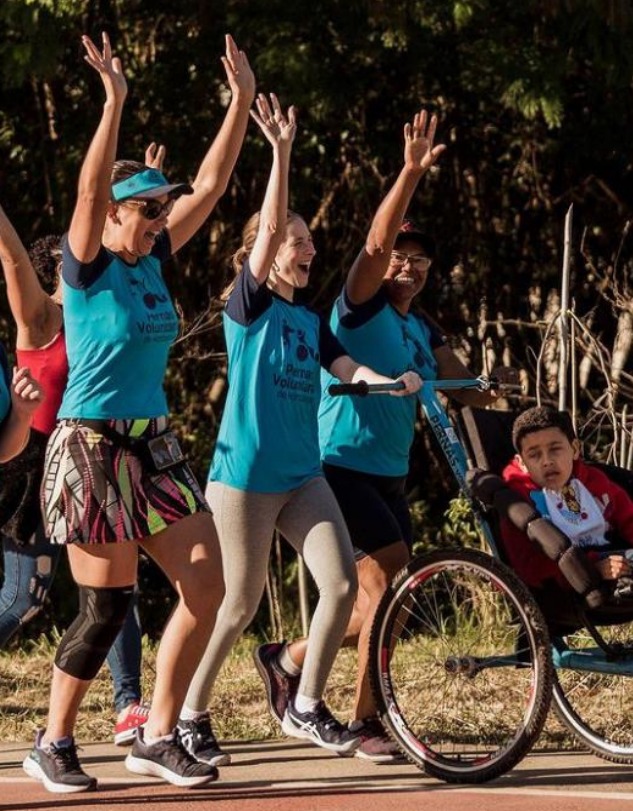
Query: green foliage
460, 528
535, 102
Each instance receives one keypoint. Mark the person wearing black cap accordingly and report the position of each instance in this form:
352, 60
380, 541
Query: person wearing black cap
365, 442
114, 477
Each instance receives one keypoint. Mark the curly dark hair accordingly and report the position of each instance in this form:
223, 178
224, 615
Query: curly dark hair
46, 256
540, 418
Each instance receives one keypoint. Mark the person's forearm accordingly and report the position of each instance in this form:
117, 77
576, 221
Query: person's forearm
27, 299
12, 251
273, 215
275, 205
217, 165
391, 211
349, 371
94, 177
369, 375
14, 435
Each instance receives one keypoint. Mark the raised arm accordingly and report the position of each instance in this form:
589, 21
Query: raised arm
93, 195
36, 316
367, 272
190, 212
279, 130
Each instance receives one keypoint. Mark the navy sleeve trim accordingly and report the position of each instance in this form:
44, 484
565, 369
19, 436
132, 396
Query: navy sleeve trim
248, 300
78, 275
330, 348
352, 316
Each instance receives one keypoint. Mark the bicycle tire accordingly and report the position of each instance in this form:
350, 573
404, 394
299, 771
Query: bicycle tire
459, 629
595, 706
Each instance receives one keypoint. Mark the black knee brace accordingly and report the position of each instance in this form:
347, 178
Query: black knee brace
86, 643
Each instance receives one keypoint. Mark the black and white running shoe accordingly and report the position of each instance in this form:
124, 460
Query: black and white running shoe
58, 767
198, 739
170, 761
320, 727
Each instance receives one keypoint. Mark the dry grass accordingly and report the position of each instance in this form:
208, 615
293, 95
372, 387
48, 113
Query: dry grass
238, 704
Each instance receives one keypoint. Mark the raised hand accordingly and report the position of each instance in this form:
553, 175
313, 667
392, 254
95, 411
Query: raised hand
419, 151
155, 156
26, 392
278, 128
238, 72
107, 66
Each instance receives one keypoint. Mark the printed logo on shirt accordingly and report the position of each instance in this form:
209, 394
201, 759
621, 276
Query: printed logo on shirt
417, 351
300, 377
160, 319
577, 513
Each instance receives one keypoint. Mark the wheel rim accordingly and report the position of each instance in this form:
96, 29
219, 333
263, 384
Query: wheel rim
598, 707
445, 702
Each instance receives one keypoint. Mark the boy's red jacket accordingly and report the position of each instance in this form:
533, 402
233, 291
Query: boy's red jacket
526, 558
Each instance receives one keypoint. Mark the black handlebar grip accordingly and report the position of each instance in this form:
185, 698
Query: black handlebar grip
361, 389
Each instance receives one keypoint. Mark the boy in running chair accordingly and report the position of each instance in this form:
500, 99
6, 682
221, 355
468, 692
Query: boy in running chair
579, 499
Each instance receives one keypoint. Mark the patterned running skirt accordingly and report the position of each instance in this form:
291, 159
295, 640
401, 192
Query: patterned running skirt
95, 491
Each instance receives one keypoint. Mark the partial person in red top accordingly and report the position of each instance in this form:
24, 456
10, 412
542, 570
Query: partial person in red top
579, 499
29, 561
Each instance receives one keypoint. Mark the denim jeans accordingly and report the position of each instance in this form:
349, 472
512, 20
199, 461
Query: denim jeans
28, 573
124, 659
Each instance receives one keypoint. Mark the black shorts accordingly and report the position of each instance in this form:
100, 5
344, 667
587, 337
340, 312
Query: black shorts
375, 508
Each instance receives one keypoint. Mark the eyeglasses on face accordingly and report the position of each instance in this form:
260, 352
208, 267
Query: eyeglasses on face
417, 259
151, 209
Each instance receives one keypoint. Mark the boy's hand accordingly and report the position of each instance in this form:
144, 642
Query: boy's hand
613, 567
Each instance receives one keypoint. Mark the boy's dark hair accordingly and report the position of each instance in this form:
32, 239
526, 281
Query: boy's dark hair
540, 418
45, 255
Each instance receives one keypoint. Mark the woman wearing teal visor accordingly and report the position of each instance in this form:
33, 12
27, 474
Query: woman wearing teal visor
115, 480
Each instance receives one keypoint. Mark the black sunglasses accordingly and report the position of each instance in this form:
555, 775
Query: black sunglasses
151, 209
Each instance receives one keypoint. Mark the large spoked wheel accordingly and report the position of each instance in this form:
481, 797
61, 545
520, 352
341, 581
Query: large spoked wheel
597, 707
460, 666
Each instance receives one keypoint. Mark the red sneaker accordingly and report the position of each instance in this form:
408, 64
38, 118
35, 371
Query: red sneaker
125, 730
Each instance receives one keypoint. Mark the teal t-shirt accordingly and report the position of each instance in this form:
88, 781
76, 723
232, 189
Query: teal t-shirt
268, 439
119, 322
5, 386
374, 434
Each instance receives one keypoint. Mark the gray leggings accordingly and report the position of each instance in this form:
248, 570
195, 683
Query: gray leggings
311, 521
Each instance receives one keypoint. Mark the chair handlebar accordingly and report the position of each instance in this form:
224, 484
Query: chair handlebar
481, 383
